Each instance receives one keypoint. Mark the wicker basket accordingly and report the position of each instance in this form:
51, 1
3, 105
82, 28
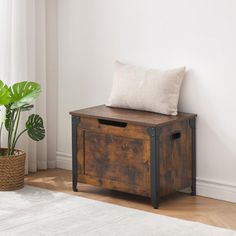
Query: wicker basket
12, 170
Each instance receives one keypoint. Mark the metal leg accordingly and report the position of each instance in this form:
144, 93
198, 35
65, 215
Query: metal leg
193, 126
155, 166
75, 121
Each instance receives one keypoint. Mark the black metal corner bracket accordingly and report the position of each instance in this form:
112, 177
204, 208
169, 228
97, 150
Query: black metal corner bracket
74, 121
192, 124
154, 134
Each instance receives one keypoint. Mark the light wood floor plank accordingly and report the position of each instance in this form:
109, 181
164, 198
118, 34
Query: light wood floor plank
179, 205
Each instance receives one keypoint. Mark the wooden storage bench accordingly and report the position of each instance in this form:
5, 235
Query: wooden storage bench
132, 151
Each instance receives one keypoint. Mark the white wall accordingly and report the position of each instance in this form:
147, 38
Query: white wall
161, 34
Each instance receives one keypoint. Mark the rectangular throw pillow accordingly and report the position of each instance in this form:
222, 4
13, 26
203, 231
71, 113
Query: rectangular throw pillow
146, 89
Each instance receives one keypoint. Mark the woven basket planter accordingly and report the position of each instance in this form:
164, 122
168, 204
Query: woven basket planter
12, 170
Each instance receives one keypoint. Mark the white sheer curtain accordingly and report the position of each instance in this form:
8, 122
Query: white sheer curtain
23, 57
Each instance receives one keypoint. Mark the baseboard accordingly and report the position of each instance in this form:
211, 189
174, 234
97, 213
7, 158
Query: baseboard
64, 161
215, 189
205, 187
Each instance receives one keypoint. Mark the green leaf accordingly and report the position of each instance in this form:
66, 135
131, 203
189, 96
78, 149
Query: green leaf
23, 93
8, 116
35, 128
9, 112
26, 107
4, 94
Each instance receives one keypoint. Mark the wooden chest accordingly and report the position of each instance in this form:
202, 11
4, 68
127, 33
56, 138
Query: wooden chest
132, 151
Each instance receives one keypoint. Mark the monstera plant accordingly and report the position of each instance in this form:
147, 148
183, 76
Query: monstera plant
16, 99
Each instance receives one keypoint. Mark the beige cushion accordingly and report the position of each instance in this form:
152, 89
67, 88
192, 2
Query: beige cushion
146, 89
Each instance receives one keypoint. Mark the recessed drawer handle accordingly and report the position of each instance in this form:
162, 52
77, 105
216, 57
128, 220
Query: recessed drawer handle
175, 135
112, 123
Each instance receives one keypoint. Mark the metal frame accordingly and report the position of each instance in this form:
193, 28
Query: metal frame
192, 124
155, 165
74, 121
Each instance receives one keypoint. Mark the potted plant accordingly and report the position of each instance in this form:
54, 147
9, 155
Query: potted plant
17, 99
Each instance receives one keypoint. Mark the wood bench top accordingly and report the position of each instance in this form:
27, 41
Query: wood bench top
131, 116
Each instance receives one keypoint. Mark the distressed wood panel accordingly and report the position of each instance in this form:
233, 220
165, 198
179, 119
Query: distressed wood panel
80, 151
130, 130
175, 158
114, 185
117, 158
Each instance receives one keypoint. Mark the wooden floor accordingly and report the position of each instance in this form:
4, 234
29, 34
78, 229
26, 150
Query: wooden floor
180, 205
